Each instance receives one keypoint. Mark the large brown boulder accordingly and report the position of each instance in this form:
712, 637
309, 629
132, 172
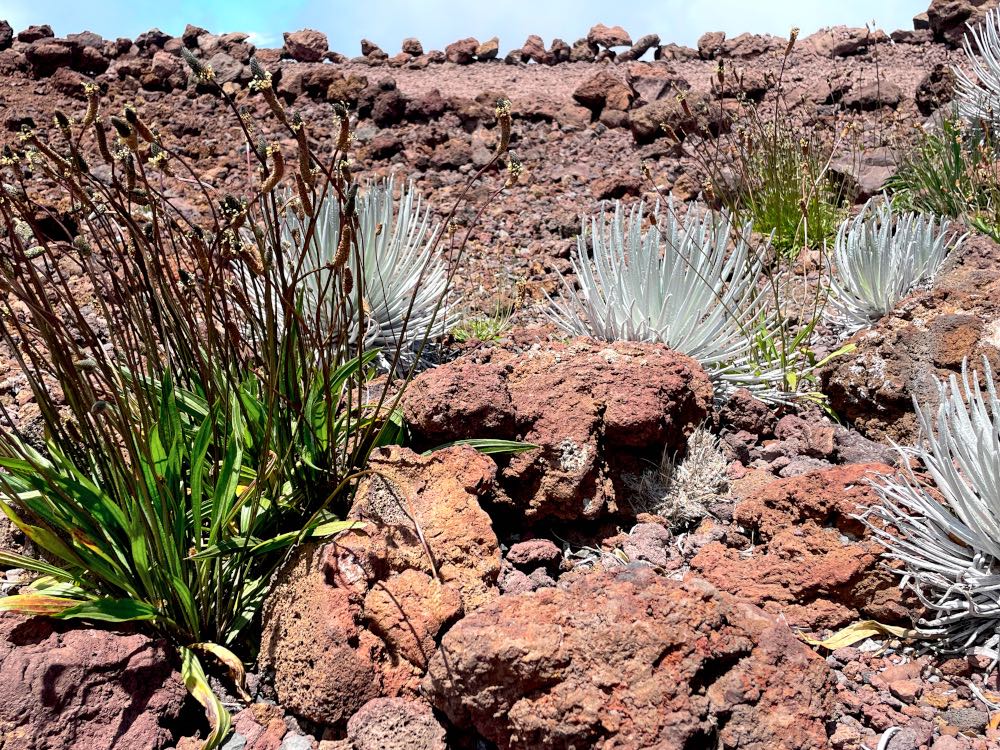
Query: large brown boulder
462, 52
307, 45
813, 562
358, 618
630, 660
85, 688
595, 410
45, 56
608, 37
949, 19
604, 89
925, 338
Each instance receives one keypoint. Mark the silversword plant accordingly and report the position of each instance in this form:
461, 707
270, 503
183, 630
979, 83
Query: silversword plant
949, 544
693, 285
879, 257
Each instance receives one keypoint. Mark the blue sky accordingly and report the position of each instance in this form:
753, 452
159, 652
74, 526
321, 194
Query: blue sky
438, 22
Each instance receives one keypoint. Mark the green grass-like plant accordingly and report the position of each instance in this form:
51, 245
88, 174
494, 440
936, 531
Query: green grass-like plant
191, 434
950, 170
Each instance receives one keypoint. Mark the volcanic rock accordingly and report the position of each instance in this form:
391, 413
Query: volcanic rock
670, 117
710, 44
604, 89
358, 618
805, 566
927, 336
936, 89
412, 46
85, 688
395, 724
592, 409
462, 52
34, 33
640, 48
306, 45
949, 19
608, 37
488, 50
630, 660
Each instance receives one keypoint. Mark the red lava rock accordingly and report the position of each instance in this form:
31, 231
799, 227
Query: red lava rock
710, 44
395, 724
640, 48
85, 688
573, 401
534, 553
904, 354
630, 660
412, 46
534, 49
604, 89
46, 56
462, 52
743, 411
488, 50
356, 619
800, 567
408, 611
35, 32
307, 45
608, 37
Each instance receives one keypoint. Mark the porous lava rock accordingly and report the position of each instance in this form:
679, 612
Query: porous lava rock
307, 45
395, 724
926, 338
358, 618
608, 36
813, 562
594, 410
626, 660
85, 688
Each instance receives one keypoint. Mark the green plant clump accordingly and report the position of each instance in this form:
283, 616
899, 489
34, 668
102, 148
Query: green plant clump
204, 405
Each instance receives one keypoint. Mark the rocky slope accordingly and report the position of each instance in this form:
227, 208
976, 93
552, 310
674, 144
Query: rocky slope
531, 601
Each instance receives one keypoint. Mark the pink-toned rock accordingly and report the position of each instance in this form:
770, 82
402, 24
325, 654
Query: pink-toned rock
803, 568
357, 618
630, 660
534, 553
604, 89
608, 37
594, 410
84, 688
307, 45
534, 49
462, 52
408, 610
